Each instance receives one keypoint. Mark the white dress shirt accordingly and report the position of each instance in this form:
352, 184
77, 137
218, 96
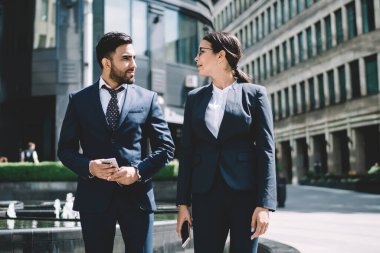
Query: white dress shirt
215, 109
105, 96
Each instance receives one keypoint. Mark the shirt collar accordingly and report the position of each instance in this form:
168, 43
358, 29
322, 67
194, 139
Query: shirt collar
225, 90
102, 82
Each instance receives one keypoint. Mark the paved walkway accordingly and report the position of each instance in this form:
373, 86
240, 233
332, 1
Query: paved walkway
322, 220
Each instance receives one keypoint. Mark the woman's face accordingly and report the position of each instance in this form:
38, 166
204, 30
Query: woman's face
206, 59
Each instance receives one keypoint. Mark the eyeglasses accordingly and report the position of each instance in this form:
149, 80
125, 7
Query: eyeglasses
201, 50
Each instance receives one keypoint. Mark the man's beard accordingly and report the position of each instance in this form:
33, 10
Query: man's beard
120, 77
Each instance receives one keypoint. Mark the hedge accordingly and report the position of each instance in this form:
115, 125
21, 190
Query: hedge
56, 171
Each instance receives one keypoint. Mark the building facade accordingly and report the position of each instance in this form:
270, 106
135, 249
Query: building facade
47, 51
320, 62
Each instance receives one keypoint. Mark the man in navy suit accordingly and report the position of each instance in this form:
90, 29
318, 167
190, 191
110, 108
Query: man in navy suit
114, 118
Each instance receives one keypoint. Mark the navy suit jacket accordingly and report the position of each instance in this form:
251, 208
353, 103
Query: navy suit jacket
244, 149
85, 126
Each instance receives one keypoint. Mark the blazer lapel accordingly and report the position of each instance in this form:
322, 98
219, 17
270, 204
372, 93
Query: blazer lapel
129, 95
98, 110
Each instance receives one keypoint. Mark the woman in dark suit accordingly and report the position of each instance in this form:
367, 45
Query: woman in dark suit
227, 166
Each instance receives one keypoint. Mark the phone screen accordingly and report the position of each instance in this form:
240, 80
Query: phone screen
185, 233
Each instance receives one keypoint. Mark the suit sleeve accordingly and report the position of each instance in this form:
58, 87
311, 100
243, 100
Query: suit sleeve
161, 143
186, 156
68, 145
265, 147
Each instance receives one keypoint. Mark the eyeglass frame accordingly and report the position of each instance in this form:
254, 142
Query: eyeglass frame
202, 48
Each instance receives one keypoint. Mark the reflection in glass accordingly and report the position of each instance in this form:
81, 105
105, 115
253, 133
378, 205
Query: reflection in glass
44, 24
181, 37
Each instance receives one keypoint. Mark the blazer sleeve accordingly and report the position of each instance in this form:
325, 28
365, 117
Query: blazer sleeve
161, 142
186, 156
68, 144
265, 151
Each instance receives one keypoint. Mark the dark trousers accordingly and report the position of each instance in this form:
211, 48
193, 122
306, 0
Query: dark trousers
219, 211
136, 226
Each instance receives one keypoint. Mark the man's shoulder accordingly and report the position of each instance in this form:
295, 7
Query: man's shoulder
141, 90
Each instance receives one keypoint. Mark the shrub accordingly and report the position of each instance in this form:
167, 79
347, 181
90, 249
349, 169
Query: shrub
44, 171
170, 172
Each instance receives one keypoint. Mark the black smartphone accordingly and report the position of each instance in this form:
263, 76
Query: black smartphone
185, 233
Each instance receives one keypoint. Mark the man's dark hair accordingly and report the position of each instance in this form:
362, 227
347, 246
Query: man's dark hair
108, 44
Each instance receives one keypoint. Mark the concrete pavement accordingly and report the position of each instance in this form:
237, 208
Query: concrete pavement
323, 220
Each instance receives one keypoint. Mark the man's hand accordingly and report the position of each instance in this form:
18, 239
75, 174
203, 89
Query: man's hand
101, 170
183, 214
260, 221
125, 176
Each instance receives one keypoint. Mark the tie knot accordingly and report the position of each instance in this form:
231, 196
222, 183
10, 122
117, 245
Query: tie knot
113, 92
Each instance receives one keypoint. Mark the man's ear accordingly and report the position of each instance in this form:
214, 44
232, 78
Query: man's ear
106, 63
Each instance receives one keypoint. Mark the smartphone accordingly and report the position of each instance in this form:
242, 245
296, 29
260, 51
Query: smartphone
111, 161
185, 233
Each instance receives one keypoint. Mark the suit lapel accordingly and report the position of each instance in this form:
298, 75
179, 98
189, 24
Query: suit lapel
98, 109
202, 111
129, 95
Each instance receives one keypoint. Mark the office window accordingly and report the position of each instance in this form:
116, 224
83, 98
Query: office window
257, 29
279, 101
287, 103
278, 59
275, 15
355, 79
273, 105
269, 15
309, 43
328, 32
235, 8
231, 13
246, 36
292, 52
342, 83
339, 26
330, 80
262, 25
311, 93
300, 47
299, 6
295, 100
321, 91
251, 31
303, 96
285, 55
258, 70
44, 10
282, 2
140, 30
371, 74
368, 15
318, 34
291, 9
351, 20
307, 3
117, 16
181, 37
271, 68
265, 66
248, 70
253, 70
241, 36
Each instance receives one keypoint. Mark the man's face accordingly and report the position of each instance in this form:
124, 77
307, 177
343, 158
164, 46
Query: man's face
123, 64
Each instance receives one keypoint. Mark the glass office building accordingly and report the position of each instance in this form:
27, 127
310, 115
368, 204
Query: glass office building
47, 51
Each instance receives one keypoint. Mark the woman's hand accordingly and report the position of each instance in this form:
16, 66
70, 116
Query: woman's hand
183, 214
260, 221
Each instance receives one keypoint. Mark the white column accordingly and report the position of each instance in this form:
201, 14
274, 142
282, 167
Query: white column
347, 72
344, 23
283, 102
299, 100
291, 105
363, 82
358, 13
316, 92
377, 17
281, 57
295, 163
288, 53
313, 40
323, 34
307, 94
87, 43
276, 107
272, 17
333, 29
378, 68
304, 44
286, 7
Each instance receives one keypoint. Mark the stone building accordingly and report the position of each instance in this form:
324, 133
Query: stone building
320, 61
